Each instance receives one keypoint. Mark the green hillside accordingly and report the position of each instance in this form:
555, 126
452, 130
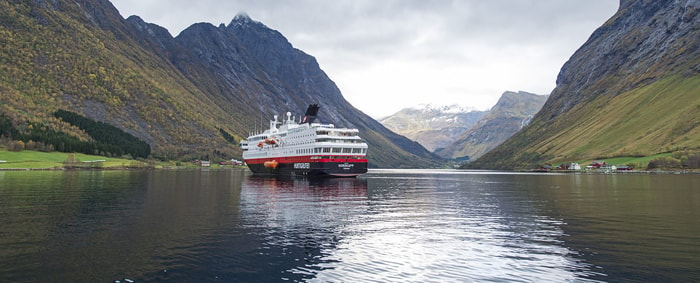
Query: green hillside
54, 60
662, 117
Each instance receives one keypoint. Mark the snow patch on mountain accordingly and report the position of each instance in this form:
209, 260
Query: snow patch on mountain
448, 109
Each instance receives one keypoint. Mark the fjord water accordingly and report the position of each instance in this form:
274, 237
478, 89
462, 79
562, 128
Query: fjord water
385, 226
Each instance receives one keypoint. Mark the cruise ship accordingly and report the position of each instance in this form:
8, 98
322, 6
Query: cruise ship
305, 148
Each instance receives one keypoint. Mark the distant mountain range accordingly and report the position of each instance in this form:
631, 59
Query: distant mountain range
630, 90
191, 96
512, 112
463, 133
433, 126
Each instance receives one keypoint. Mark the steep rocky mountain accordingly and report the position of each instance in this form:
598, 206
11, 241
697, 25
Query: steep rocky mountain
432, 126
512, 112
182, 95
630, 90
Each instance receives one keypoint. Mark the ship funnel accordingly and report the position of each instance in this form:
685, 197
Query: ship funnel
310, 115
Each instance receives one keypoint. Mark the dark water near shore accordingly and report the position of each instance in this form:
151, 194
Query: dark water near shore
386, 226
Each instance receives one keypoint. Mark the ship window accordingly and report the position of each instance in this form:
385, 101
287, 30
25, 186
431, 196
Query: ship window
336, 150
356, 150
346, 150
326, 149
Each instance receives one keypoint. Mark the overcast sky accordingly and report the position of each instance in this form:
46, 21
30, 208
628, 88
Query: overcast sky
387, 55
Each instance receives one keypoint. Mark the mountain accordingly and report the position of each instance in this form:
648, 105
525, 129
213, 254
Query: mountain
191, 96
512, 112
630, 90
432, 126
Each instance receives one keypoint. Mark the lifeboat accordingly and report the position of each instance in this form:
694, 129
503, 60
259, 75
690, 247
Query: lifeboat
270, 141
271, 164
260, 144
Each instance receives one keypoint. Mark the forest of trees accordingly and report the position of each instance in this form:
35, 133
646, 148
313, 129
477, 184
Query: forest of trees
107, 140
227, 136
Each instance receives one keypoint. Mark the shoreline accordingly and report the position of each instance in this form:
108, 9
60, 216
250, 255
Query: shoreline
580, 172
605, 172
120, 168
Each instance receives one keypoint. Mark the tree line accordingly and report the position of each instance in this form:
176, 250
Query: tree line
107, 140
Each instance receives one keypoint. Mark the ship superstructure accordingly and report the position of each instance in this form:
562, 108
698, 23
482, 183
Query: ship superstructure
305, 148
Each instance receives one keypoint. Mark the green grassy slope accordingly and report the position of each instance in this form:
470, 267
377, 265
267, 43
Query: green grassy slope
661, 117
28, 159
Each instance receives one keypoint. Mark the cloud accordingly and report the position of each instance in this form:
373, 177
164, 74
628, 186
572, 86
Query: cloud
401, 53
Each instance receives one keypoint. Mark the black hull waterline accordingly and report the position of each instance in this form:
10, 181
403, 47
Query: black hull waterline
325, 169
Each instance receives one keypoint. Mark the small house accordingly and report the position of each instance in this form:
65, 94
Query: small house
624, 168
569, 166
597, 164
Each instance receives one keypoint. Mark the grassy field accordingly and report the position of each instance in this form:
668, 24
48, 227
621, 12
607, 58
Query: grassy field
53, 160
636, 162
28, 159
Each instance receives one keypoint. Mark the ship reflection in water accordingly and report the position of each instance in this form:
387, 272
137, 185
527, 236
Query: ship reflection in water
301, 220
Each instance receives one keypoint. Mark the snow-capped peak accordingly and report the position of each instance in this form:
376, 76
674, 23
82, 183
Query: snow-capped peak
453, 109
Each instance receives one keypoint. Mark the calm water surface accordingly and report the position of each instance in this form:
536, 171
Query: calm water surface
385, 226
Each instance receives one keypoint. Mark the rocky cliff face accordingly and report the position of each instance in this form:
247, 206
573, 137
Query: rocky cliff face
432, 126
628, 91
512, 112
